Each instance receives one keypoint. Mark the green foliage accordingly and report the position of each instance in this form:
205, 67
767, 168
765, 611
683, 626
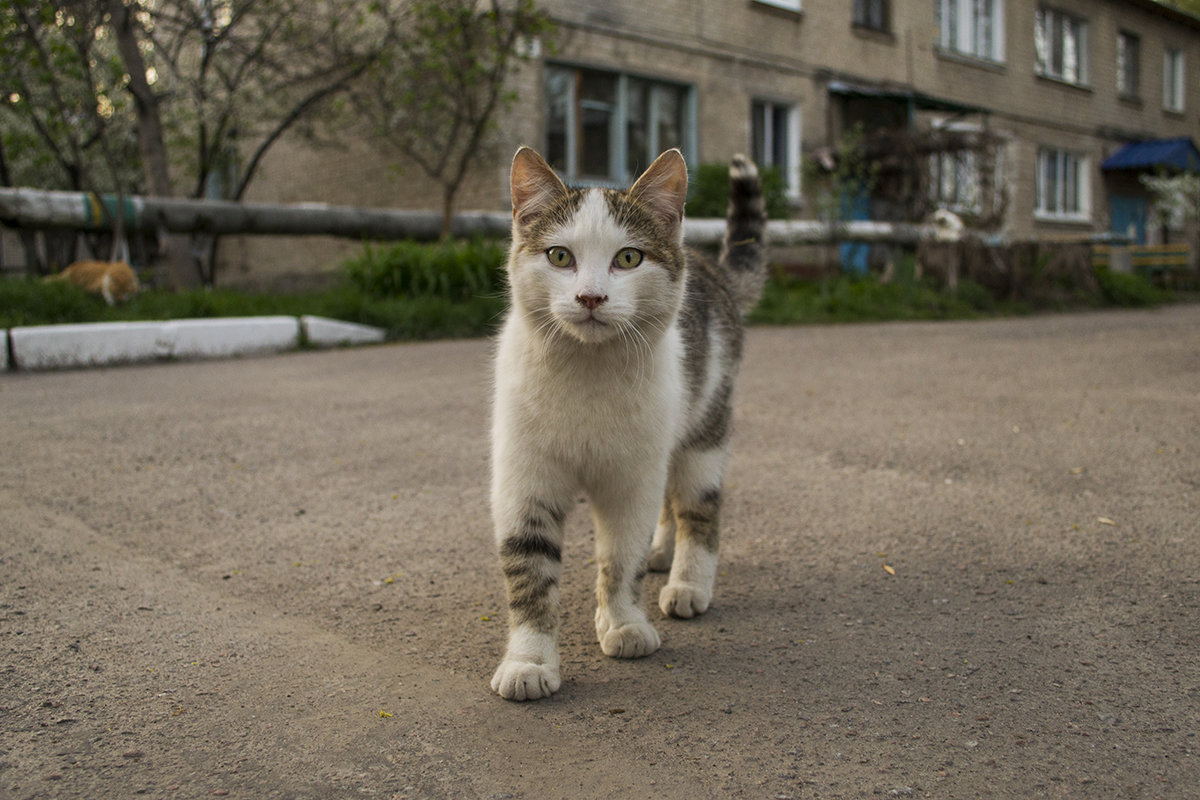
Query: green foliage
433, 93
1128, 290
708, 194
34, 302
449, 270
864, 299
65, 120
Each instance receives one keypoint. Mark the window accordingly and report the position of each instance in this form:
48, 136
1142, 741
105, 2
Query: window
1062, 185
871, 14
775, 140
790, 5
1128, 64
1061, 43
954, 180
1173, 80
971, 27
606, 127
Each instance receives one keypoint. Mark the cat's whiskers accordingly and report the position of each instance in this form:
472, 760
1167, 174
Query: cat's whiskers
632, 338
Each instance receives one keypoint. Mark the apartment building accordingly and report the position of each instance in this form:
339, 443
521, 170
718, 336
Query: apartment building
1035, 118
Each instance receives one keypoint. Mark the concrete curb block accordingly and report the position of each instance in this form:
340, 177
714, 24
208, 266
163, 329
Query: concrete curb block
109, 343
322, 332
3, 350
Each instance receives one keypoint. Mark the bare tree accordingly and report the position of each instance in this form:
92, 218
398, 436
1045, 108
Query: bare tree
433, 94
238, 74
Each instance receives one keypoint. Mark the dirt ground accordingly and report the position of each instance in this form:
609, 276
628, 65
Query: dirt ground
960, 560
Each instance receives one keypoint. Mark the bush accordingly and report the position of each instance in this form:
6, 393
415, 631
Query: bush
709, 192
847, 298
449, 270
1125, 289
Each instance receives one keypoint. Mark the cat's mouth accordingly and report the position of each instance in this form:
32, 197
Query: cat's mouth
587, 327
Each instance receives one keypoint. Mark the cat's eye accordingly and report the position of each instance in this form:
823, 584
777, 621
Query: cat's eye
560, 257
627, 258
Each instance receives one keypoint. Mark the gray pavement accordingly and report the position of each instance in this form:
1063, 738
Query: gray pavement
960, 560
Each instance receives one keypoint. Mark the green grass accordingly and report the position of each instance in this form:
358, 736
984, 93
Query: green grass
852, 299
28, 302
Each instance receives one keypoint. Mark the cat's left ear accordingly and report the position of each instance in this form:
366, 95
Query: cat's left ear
663, 187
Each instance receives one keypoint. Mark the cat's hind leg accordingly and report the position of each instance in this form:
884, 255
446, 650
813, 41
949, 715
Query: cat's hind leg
623, 518
530, 541
663, 548
695, 495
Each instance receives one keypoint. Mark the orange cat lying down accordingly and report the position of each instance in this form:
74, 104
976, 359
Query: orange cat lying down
115, 281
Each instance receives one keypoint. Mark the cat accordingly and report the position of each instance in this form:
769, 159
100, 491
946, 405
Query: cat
115, 281
614, 375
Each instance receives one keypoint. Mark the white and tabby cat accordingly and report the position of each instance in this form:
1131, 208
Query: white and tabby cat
614, 377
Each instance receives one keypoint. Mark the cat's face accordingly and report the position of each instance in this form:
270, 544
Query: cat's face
597, 264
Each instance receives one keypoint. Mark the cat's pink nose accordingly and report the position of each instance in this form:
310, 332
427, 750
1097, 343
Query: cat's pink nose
591, 301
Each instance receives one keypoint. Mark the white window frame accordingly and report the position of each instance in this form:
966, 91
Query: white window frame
1072, 182
1174, 76
954, 181
964, 30
1073, 42
790, 5
618, 171
764, 153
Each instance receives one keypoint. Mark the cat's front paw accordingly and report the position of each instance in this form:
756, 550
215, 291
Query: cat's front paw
524, 680
684, 600
634, 640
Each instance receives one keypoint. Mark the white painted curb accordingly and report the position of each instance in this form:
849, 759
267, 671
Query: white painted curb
85, 345
3, 350
322, 332
231, 336
107, 343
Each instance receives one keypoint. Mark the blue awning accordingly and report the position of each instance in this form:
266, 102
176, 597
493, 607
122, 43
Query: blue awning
1151, 154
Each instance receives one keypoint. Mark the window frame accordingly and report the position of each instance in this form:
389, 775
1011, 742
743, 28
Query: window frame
619, 172
861, 14
764, 156
958, 22
1174, 88
787, 5
1069, 168
1129, 70
1045, 19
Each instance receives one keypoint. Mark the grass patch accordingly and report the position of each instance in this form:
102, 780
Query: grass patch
29, 302
864, 299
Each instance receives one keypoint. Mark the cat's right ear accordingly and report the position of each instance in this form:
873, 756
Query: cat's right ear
533, 184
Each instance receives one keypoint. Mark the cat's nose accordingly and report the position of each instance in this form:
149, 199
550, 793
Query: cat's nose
591, 301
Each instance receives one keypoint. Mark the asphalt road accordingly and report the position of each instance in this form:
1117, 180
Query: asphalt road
960, 560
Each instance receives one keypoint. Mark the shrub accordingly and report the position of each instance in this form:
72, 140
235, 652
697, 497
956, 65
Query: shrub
448, 270
709, 192
1125, 289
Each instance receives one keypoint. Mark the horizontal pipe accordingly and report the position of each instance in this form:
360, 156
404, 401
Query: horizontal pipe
33, 208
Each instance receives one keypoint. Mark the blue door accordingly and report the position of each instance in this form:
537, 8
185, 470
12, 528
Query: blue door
856, 205
1128, 216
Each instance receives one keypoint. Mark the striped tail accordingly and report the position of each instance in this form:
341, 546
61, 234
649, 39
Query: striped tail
743, 254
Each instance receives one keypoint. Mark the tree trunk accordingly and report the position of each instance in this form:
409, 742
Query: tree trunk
174, 247
447, 211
